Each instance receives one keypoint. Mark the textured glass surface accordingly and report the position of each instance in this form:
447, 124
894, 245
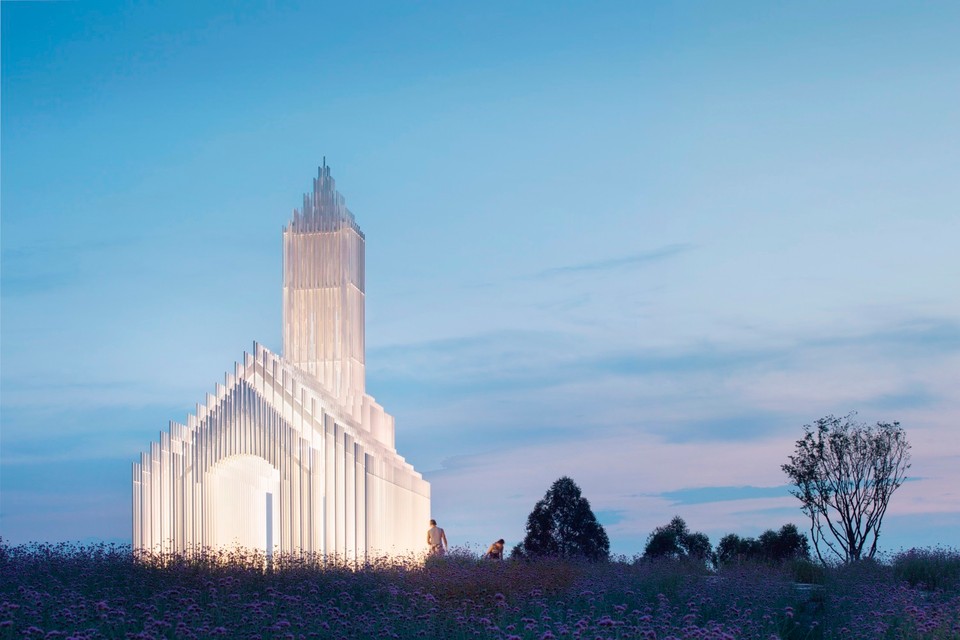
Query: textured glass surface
290, 453
323, 292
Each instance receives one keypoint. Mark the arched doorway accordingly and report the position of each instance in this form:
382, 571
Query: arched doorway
241, 495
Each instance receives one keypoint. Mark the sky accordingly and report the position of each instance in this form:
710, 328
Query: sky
636, 244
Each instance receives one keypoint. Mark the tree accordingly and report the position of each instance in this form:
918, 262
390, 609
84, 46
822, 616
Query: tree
732, 548
772, 546
844, 473
563, 525
786, 544
674, 540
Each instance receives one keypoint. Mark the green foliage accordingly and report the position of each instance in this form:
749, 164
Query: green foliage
844, 473
772, 546
563, 525
807, 572
732, 549
674, 540
931, 569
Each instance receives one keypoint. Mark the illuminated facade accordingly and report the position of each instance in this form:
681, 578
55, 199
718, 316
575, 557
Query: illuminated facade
290, 454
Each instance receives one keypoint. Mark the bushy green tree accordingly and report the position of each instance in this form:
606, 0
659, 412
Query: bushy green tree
563, 525
732, 548
771, 546
844, 473
674, 540
786, 544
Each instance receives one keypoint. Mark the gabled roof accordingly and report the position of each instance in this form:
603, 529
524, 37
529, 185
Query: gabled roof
298, 398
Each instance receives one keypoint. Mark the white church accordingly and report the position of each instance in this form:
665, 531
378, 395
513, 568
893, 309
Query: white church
290, 454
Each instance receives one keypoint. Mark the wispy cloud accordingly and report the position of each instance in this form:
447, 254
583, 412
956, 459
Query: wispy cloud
919, 335
31, 270
536, 359
698, 495
461, 396
54, 433
636, 483
66, 392
637, 259
723, 425
911, 398
27, 284
41, 268
633, 483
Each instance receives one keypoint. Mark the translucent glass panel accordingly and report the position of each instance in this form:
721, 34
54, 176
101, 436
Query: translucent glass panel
334, 488
323, 292
290, 454
236, 492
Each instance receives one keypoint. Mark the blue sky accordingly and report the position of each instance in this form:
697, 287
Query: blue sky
639, 244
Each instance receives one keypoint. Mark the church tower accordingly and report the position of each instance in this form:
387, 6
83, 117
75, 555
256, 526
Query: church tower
323, 292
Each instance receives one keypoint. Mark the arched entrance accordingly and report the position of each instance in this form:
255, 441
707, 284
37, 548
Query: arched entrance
241, 494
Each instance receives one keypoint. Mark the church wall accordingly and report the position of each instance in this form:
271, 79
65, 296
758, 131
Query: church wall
338, 493
291, 449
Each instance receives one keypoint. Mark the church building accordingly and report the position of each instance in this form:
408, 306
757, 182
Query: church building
290, 453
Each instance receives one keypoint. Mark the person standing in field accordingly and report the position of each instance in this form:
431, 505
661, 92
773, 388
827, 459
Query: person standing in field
436, 539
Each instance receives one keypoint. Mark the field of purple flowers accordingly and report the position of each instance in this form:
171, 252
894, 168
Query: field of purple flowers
76, 592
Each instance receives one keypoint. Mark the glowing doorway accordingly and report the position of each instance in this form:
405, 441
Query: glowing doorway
241, 494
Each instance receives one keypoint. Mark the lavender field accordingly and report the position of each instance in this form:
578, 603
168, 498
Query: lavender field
100, 591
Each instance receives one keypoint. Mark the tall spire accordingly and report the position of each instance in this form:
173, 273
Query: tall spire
323, 292
324, 209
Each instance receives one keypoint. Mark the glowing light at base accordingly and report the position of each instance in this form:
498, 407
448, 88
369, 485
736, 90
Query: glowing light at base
290, 454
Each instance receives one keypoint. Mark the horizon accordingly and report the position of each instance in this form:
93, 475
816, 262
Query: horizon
639, 246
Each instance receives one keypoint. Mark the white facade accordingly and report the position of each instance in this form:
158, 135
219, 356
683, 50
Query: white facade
290, 454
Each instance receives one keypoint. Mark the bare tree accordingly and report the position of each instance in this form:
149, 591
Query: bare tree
844, 473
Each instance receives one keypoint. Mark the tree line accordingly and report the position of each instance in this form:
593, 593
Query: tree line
842, 471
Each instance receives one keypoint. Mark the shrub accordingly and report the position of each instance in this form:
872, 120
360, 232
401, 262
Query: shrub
772, 546
930, 569
674, 540
807, 572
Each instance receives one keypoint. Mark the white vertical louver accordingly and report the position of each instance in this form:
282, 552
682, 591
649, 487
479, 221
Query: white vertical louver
290, 454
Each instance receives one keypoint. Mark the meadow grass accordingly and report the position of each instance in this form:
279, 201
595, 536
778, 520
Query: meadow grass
104, 591
930, 569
